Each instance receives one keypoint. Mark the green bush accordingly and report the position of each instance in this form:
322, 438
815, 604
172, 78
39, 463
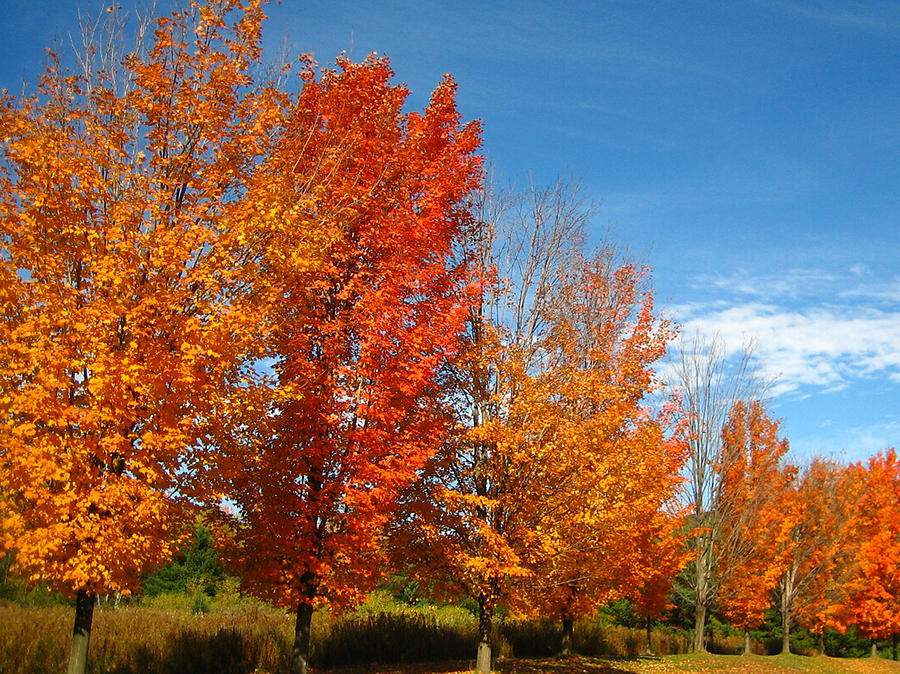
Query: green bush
195, 567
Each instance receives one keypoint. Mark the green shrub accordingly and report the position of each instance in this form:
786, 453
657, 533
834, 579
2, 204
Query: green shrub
195, 567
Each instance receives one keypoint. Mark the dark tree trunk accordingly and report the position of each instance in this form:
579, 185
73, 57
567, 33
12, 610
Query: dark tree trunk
485, 623
894, 640
648, 624
568, 626
81, 635
821, 643
300, 653
746, 642
699, 629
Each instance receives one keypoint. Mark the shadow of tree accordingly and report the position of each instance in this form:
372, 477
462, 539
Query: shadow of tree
573, 664
225, 652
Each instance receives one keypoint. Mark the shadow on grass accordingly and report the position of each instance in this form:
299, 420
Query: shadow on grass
572, 664
225, 652
449, 666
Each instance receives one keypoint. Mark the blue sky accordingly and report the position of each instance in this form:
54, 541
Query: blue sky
749, 151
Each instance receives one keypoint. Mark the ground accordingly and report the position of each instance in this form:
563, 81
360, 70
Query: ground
776, 664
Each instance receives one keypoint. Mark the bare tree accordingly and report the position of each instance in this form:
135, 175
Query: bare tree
711, 382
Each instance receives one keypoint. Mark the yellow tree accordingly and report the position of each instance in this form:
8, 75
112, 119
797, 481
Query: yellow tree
552, 441
127, 212
621, 459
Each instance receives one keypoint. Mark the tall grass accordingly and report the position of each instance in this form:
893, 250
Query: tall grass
135, 639
594, 637
238, 636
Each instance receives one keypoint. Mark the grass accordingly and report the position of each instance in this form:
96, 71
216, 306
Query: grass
754, 664
136, 639
234, 635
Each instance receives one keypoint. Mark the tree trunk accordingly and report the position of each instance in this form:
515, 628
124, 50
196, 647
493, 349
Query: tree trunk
485, 623
300, 653
786, 632
746, 642
568, 626
874, 648
821, 643
81, 635
699, 629
649, 627
787, 596
702, 567
894, 646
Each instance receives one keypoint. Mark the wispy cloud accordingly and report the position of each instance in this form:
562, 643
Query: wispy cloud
791, 283
847, 443
771, 180
805, 334
877, 17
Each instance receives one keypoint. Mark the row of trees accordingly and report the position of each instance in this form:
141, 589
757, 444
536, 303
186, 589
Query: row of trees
818, 543
296, 305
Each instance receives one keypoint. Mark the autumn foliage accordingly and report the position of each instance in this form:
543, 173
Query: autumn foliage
169, 225
120, 320
294, 304
754, 494
873, 601
355, 343
538, 498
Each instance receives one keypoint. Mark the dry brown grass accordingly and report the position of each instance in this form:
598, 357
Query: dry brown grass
246, 637
152, 640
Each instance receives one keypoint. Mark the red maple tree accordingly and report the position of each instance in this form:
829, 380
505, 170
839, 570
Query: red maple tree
355, 342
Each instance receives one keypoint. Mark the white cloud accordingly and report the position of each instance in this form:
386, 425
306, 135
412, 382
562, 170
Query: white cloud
883, 292
824, 346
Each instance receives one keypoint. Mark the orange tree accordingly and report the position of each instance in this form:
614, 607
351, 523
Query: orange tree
661, 553
126, 209
813, 530
354, 345
710, 382
826, 543
873, 602
753, 493
551, 440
